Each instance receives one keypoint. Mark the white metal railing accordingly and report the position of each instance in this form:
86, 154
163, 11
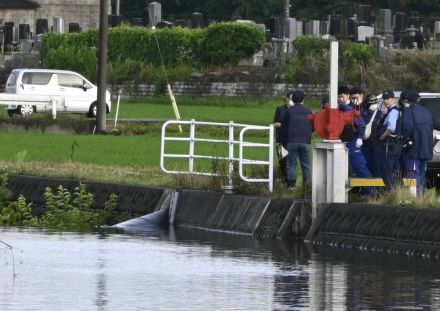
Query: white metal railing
231, 141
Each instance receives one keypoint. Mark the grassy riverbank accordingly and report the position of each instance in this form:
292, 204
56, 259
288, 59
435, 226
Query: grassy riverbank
131, 158
128, 158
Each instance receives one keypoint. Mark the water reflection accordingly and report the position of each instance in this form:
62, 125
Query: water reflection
188, 269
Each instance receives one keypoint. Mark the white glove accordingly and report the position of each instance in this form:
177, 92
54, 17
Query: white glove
359, 142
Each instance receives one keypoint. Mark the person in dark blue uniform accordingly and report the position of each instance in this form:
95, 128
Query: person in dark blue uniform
372, 116
353, 135
417, 129
296, 133
390, 144
280, 112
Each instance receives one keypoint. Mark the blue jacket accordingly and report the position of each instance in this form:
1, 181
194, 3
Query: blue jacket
296, 126
352, 132
418, 126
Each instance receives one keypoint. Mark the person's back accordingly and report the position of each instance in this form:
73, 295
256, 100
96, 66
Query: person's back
296, 133
418, 127
300, 128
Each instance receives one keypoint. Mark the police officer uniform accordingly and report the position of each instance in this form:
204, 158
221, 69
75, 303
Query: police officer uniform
390, 143
371, 147
353, 135
417, 129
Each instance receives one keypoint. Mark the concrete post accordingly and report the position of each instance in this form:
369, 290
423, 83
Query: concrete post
329, 174
330, 157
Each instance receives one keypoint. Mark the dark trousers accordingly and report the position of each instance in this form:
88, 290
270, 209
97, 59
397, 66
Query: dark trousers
390, 164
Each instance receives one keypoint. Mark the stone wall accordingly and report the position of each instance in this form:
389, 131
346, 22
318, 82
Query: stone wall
239, 89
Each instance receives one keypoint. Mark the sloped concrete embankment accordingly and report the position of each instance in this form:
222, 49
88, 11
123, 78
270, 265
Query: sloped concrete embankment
250, 215
208, 210
378, 228
133, 199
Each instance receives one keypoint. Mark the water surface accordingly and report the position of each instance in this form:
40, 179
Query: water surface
198, 270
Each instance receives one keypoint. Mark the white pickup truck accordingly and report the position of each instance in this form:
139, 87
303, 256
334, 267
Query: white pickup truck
37, 90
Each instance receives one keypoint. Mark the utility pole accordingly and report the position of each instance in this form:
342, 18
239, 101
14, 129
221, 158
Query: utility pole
286, 9
101, 120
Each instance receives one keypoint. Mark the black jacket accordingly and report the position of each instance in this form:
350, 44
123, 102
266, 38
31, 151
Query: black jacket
418, 127
296, 126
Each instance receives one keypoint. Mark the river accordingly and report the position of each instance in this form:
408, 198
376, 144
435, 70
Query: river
199, 270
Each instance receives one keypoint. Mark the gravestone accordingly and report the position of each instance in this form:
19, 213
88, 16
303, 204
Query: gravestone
115, 20
364, 32
74, 27
137, 21
364, 14
42, 26
414, 21
164, 24
312, 28
8, 30
198, 20
154, 14
58, 24
385, 21
290, 29
24, 31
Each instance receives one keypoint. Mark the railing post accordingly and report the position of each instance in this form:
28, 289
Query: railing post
231, 154
192, 135
271, 136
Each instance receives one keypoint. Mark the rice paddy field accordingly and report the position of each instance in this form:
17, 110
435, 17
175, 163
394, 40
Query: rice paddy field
136, 158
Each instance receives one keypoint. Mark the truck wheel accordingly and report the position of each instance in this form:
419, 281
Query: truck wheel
26, 110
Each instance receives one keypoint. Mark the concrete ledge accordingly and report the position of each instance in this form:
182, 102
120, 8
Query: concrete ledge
386, 229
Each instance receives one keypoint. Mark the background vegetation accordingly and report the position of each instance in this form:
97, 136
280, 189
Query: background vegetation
135, 49
134, 57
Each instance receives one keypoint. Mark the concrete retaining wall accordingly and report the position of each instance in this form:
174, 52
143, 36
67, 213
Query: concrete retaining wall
138, 200
378, 228
209, 210
208, 88
251, 215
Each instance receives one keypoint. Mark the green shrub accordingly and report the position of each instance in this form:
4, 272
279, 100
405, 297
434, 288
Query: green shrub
231, 42
219, 43
81, 59
17, 213
4, 192
358, 53
67, 212
309, 45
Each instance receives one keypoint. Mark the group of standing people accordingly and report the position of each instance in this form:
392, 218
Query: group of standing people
391, 140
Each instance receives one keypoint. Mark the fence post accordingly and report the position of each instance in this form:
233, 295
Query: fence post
231, 154
271, 136
192, 135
